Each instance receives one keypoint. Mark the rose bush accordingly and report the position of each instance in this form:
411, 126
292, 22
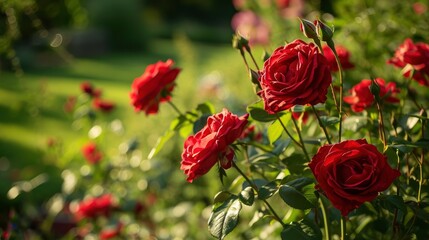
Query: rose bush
295, 74
350, 173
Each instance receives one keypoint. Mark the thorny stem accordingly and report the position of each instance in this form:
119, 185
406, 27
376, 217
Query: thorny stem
276, 216
287, 132
321, 125
300, 139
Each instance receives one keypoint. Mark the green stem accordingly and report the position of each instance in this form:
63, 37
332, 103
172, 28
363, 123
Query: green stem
287, 132
340, 75
276, 216
343, 228
253, 59
300, 139
325, 219
175, 108
321, 125
381, 125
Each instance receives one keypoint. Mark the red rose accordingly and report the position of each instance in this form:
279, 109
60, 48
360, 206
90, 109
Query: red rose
362, 97
89, 89
154, 86
295, 74
91, 153
343, 56
102, 105
211, 144
94, 207
351, 173
410, 56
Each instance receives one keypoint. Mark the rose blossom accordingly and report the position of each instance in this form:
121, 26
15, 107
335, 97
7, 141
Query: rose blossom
295, 74
343, 56
350, 173
362, 97
91, 153
154, 86
211, 144
89, 89
413, 56
94, 207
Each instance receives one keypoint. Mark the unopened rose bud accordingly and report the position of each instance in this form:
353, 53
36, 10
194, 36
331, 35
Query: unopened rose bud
308, 29
375, 90
324, 32
240, 43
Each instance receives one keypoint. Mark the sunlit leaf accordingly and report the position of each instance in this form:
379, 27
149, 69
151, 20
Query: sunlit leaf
224, 217
257, 112
160, 143
247, 196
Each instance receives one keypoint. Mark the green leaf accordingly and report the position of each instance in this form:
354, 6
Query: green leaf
296, 163
206, 108
247, 196
407, 146
274, 131
160, 143
329, 121
268, 190
297, 195
305, 230
280, 146
224, 217
221, 197
392, 202
257, 112
200, 123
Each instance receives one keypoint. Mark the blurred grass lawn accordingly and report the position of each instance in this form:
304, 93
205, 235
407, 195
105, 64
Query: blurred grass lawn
31, 106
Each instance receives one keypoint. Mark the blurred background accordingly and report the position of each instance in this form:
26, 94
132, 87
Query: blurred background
49, 48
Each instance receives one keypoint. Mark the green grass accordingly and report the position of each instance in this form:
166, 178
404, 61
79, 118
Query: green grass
31, 106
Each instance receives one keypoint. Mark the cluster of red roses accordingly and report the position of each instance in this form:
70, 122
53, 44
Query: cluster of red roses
349, 172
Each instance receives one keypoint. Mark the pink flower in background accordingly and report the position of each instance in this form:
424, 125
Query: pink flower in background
154, 86
413, 57
291, 8
419, 8
362, 98
211, 144
91, 153
252, 27
343, 55
95, 207
103, 105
